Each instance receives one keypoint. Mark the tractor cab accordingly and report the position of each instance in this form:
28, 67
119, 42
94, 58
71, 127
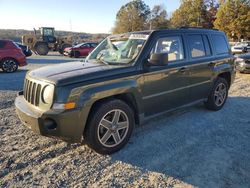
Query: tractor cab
44, 40
48, 34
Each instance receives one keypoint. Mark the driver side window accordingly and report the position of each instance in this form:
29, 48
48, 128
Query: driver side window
171, 45
85, 46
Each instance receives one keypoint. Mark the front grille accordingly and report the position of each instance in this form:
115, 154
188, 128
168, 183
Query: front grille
32, 92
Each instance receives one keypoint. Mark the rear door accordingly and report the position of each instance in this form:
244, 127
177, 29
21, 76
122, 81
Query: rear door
201, 64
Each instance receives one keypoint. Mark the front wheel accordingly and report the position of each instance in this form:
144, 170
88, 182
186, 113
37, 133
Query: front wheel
110, 127
42, 49
218, 95
9, 65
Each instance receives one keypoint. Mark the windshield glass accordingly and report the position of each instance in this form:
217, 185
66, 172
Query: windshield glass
242, 44
79, 45
120, 49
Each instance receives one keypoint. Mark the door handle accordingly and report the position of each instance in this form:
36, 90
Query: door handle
182, 69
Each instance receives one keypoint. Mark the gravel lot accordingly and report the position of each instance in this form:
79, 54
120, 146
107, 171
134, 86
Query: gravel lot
192, 147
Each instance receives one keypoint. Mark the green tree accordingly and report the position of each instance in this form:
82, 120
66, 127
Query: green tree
191, 13
158, 19
211, 11
195, 13
133, 16
233, 17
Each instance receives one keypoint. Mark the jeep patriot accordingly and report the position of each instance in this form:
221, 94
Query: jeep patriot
125, 80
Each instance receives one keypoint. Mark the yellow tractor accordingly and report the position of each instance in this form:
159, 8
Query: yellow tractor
44, 40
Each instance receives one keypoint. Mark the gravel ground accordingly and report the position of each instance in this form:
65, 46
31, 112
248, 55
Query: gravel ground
192, 147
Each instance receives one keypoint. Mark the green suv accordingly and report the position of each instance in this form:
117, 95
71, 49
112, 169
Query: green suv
126, 80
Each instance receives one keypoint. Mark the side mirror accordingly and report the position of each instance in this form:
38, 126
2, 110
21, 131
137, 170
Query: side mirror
158, 59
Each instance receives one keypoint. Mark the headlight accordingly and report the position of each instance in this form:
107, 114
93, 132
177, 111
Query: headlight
47, 94
239, 60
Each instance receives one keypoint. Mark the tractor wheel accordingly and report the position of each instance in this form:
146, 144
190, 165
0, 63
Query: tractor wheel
62, 47
42, 49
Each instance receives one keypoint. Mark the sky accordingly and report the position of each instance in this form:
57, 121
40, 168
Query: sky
90, 16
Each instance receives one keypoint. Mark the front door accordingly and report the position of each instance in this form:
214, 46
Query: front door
85, 50
166, 87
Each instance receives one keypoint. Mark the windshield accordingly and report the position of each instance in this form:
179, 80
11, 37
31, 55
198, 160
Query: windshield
120, 49
78, 45
242, 44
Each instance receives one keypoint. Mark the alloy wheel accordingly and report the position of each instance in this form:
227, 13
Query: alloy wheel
9, 65
220, 94
113, 128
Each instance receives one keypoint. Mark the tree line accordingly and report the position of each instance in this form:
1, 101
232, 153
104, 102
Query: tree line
79, 37
230, 16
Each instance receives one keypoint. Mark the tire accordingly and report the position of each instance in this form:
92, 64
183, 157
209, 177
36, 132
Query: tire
42, 49
218, 95
75, 54
244, 50
62, 48
9, 65
111, 137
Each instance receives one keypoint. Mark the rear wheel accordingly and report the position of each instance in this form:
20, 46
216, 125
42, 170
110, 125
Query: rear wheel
110, 127
42, 49
9, 65
244, 50
218, 95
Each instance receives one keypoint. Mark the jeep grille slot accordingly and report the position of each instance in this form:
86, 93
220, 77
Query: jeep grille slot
32, 92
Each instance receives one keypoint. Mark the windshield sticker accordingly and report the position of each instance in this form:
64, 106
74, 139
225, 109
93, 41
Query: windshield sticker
138, 36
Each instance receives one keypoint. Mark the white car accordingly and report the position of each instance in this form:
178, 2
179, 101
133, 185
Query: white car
241, 47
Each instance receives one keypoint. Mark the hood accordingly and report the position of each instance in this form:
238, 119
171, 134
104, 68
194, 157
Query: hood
68, 49
75, 48
73, 72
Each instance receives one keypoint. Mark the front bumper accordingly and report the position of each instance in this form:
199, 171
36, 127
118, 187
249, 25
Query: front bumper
243, 67
67, 53
67, 125
237, 51
22, 61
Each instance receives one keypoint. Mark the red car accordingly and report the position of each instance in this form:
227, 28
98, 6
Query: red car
11, 56
79, 50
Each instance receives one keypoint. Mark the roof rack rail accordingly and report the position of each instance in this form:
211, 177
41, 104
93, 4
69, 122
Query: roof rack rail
185, 27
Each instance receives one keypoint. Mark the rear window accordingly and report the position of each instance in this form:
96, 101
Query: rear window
220, 44
93, 45
2, 44
207, 45
196, 46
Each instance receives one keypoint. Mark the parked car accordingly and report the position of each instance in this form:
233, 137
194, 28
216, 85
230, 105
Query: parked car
11, 56
149, 73
80, 50
243, 63
27, 52
241, 47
